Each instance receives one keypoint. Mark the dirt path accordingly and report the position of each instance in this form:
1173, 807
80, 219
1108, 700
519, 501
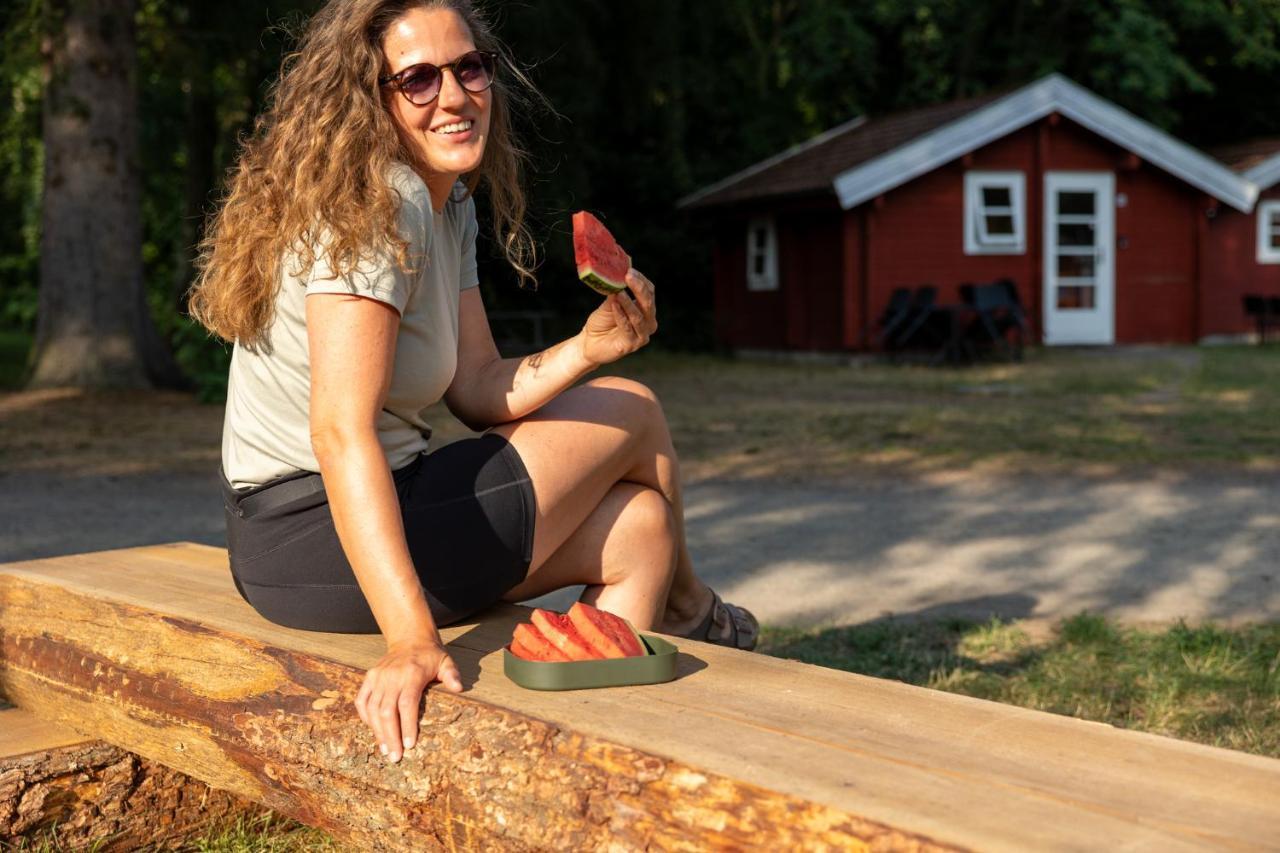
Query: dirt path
1141, 548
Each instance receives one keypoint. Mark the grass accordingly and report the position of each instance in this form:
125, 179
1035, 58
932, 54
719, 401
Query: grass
1112, 409
1206, 684
1107, 410
267, 833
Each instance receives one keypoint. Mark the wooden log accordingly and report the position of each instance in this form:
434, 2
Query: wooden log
152, 649
93, 794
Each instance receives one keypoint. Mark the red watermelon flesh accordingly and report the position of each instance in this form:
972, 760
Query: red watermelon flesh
537, 645
522, 651
611, 635
601, 262
560, 632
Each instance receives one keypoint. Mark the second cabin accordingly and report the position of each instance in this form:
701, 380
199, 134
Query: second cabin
1111, 230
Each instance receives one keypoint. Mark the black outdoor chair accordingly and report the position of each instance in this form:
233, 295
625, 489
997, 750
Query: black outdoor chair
895, 316
1015, 304
927, 326
1273, 311
1256, 307
996, 314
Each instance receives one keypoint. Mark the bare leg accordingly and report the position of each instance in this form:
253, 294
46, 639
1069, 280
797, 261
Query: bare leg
624, 552
577, 449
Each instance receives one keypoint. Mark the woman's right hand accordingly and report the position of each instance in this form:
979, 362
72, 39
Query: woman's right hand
388, 700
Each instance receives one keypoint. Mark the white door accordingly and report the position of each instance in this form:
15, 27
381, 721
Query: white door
1079, 258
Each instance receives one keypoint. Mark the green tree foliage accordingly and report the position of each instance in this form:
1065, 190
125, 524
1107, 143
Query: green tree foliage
20, 164
654, 99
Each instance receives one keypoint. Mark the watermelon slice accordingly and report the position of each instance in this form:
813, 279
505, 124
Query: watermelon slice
560, 632
601, 262
522, 651
538, 647
610, 635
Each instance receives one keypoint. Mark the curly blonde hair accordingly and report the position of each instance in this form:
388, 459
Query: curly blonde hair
317, 163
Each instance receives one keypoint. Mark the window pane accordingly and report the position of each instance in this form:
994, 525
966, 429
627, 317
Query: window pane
1075, 202
1075, 266
759, 263
1275, 239
999, 226
1075, 235
1075, 296
762, 237
996, 197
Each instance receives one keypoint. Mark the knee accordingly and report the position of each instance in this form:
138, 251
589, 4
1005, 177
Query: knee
649, 517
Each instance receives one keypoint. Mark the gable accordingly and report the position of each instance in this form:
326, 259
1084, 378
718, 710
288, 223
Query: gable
1266, 174
1053, 94
812, 166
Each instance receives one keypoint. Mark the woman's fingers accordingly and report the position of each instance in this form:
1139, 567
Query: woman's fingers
389, 742
621, 317
635, 318
646, 298
449, 675
409, 702
362, 701
390, 699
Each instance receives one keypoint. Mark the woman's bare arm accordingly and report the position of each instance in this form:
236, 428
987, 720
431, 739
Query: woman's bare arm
488, 389
351, 341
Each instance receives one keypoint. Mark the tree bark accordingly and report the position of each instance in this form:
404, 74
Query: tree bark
274, 725
93, 328
92, 793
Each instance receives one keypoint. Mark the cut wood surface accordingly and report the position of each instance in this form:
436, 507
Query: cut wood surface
91, 793
152, 649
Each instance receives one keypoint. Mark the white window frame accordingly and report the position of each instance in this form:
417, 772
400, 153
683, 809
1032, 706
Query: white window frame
768, 280
1268, 225
976, 239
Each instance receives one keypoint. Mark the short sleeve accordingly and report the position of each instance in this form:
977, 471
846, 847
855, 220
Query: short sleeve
379, 275
468, 275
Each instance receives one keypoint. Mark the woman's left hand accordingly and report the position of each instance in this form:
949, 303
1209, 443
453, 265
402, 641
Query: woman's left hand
621, 325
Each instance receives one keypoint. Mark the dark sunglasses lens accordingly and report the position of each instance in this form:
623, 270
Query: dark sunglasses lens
422, 84
475, 71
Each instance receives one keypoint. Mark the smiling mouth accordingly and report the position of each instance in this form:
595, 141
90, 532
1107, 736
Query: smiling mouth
454, 127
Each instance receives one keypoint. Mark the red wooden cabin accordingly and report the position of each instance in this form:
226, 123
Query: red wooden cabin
1112, 230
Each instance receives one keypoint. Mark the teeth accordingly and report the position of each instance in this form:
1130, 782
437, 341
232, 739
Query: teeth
456, 127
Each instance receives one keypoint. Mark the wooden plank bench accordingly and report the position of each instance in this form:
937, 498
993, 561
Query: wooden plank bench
152, 649
91, 793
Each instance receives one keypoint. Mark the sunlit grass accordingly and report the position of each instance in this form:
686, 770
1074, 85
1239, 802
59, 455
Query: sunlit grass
1116, 408
267, 833
1206, 683
1064, 410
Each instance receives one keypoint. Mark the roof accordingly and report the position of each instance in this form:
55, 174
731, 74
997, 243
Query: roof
813, 166
1243, 156
861, 160
1257, 160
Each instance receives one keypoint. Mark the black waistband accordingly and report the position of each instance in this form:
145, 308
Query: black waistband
246, 503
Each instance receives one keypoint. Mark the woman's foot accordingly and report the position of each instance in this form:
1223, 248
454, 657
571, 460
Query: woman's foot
703, 616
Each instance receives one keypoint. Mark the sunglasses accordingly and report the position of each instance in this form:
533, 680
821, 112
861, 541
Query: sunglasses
421, 83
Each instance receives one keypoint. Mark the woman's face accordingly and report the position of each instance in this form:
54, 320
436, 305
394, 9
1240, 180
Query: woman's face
438, 36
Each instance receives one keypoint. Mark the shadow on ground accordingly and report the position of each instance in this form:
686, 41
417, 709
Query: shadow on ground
956, 545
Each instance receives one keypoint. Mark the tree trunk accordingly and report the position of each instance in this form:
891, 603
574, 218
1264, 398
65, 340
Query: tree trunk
90, 794
93, 328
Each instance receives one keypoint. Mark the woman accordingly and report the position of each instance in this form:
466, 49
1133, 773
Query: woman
342, 264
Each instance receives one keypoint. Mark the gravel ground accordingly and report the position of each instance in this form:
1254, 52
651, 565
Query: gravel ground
1142, 550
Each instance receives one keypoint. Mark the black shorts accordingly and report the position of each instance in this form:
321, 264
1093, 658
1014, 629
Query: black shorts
468, 511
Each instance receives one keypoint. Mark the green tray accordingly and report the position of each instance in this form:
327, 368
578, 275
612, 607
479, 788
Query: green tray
657, 666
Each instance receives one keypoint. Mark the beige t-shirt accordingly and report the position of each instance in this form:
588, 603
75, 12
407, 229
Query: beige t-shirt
266, 431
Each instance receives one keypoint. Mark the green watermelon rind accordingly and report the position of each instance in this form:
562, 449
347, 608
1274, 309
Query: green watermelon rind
602, 285
658, 666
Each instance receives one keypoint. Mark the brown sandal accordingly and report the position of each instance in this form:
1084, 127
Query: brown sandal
743, 625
